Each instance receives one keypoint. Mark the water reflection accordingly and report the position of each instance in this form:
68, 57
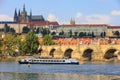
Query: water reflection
36, 76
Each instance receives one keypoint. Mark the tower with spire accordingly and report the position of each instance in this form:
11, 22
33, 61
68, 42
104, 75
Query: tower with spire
15, 16
72, 21
30, 17
23, 14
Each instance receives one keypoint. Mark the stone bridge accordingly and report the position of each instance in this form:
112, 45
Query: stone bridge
82, 52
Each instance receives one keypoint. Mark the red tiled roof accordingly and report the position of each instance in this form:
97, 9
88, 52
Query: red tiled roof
72, 25
113, 27
41, 23
54, 23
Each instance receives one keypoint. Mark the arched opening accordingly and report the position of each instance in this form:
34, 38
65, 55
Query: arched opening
67, 53
87, 54
40, 51
110, 54
52, 52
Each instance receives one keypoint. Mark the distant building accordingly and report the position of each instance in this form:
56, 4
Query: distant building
97, 29
21, 19
22, 16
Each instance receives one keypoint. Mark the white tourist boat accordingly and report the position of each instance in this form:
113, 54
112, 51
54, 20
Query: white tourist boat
48, 61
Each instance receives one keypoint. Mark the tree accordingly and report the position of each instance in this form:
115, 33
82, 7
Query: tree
38, 30
31, 43
20, 43
76, 33
117, 33
9, 44
93, 35
6, 28
45, 31
103, 34
81, 34
53, 33
47, 40
70, 33
12, 30
25, 29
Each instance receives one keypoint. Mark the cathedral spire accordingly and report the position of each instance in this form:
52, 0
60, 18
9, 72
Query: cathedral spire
15, 15
19, 13
24, 8
30, 15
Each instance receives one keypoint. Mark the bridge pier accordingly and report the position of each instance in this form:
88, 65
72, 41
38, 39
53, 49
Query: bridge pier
97, 56
58, 53
76, 54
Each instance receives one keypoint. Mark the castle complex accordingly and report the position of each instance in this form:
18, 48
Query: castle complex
23, 19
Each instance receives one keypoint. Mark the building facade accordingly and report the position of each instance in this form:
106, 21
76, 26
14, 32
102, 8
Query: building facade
97, 29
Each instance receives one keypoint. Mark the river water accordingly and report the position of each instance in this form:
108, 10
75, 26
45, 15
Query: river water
87, 71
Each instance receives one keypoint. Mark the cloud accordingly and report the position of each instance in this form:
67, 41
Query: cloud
115, 13
4, 17
92, 19
98, 19
51, 17
78, 15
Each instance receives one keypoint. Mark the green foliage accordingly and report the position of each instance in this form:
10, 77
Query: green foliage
45, 31
70, 33
103, 34
7, 29
47, 40
81, 34
53, 33
31, 43
25, 29
9, 43
20, 45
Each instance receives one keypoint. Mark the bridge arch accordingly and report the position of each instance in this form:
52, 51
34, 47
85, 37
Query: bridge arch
110, 53
87, 54
52, 52
40, 51
68, 52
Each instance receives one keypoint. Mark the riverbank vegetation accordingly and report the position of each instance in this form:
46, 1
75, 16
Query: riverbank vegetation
12, 46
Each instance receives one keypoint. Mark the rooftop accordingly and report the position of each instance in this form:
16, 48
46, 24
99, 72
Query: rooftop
71, 25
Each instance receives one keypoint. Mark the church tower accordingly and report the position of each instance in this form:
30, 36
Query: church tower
19, 16
72, 21
30, 17
24, 15
15, 16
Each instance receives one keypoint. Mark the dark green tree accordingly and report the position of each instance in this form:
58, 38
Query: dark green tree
31, 43
45, 31
92, 34
81, 34
70, 32
6, 28
47, 40
25, 29
38, 30
103, 34
53, 33
12, 30
116, 33
76, 33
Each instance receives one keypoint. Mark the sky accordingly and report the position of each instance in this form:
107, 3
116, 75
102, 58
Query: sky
82, 11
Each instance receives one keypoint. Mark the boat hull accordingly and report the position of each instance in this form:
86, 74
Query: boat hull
74, 63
